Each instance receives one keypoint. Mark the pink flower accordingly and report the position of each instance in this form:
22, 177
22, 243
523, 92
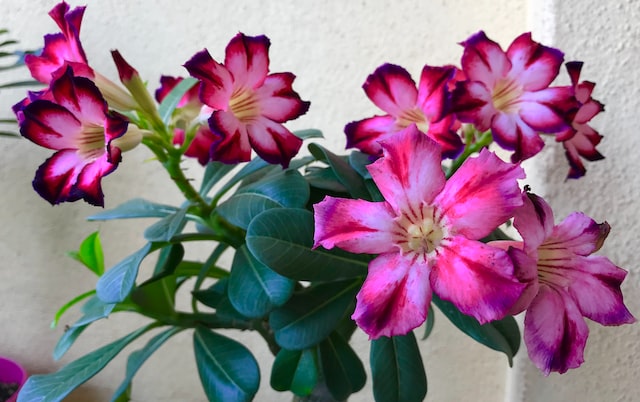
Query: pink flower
426, 235
580, 140
75, 122
249, 103
391, 88
566, 283
509, 92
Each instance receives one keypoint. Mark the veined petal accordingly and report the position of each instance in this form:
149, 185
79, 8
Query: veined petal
546, 110
394, 298
50, 125
481, 195
432, 91
366, 134
56, 177
410, 173
232, 141
272, 141
526, 270
483, 60
477, 278
247, 58
392, 89
472, 104
554, 331
278, 101
357, 226
579, 234
534, 221
448, 139
88, 185
217, 82
510, 132
534, 64
80, 96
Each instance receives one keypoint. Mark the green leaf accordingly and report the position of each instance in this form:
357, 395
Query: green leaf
56, 386
397, 369
254, 289
68, 305
311, 315
287, 189
137, 359
212, 174
93, 310
308, 133
157, 296
295, 371
502, 335
359, 161
170, 102
430, 322
326, 179
135, 208
90, 254
168, 261
344, 172
343, 371
114, 286
228, 371
167, 227
67, 339
282, 239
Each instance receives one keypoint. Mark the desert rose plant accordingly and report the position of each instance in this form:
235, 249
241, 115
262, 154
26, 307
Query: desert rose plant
414, 217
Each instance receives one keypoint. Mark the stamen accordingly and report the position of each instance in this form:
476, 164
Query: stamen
506, 95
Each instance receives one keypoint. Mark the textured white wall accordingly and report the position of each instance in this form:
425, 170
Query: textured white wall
331, 46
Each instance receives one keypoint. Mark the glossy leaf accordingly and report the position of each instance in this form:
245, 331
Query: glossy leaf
254, 289
93, 310
228, 371
135, 208
170, 102
295, 371
282, 239
137, 359
343, 371
311, 315
344, 172
157, 296
397, 369
90, 254
68, 305
359, 161
116, 284
502, 335
167, 227
56, 386
326, 179
67, 339
168, 261
308, 133
429, 323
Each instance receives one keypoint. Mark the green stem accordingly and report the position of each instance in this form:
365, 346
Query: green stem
471, 147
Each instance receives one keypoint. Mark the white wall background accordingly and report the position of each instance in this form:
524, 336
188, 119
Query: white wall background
331, 46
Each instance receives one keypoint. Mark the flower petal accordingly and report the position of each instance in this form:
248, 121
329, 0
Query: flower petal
278, 101
483, 60
477, 278
544, 110
432, 91
554, 331
232, 141
50, 125
217, 82
535, 65
481, 195
272, 141
81, 97
394, 298
56, 177
366, 134
88, 184
534, 221
579, 234
392, 89
510, 132
357, 226
247, 59
448, 139
472, 103
410, 173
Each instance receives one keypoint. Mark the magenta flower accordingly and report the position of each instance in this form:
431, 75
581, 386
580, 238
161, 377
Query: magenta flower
580, 140
509, 92
566, 283
393, 90
249, 103
425, 235
79, 126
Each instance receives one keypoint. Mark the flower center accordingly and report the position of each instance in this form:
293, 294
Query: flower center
551, 261
91, 144
506, 95
421, 233
414, 116
244, 105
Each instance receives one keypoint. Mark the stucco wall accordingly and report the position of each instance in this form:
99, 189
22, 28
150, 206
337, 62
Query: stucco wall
331, 46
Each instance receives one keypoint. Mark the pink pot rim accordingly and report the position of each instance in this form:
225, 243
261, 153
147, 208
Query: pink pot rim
12, 371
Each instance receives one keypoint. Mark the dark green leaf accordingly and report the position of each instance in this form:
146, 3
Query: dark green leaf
114, 286
503, 335
308, 133
343, 371
90, 254
167, 227
282, 239
157, 296
295, 371
254, 289
56, 386
169, 103
428, 325
135, 208
359, 161
212, 174
228, 371
311, 315
137, 359
326, 179
397, 369
168, 261
344, 172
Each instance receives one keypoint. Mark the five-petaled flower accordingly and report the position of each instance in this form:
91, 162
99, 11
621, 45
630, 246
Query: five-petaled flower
565, 283
425, 233
393, 90
249, 103
75, 122
509, 92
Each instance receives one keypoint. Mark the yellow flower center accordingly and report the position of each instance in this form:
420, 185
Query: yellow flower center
91, 144
506, 95
244, 105
414, 116
420, 233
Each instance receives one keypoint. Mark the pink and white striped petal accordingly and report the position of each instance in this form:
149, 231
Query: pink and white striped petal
534, 65
394, 298
216, 86
484, 60
81, 97
247, 59
272, 141
50, 125
366, 134
232, 141
88, 183
432, 91
278, 101
56, 177
392, 89
534, 221
579, 234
